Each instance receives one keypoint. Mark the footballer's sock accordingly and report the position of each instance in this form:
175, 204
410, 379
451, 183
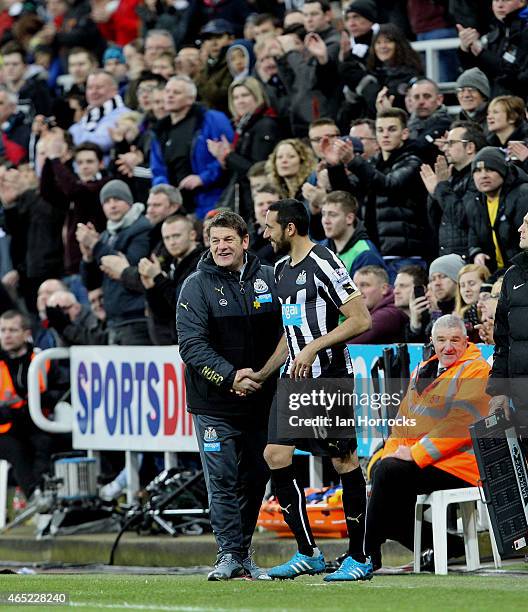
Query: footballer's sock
293, 505
354, 506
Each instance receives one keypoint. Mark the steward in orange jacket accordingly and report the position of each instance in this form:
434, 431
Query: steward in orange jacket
430, 447
10, 402
443, 412
27, 448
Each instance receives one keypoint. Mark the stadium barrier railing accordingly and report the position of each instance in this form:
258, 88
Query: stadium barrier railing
133, 399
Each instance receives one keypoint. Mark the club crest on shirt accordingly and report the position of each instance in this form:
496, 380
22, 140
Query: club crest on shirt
210, 434
222, 302
301, 279
260, 286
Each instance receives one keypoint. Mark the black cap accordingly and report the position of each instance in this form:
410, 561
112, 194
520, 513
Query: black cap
217, 27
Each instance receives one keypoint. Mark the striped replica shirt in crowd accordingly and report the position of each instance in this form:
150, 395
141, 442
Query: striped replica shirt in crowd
311, 293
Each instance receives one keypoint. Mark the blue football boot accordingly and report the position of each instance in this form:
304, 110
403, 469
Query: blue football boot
351, 570
297, 566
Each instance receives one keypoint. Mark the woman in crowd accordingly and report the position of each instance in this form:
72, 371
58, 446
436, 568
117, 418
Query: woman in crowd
290, 164
508, 128
506, 121
391, 63
470, 280
256, 134
487, 308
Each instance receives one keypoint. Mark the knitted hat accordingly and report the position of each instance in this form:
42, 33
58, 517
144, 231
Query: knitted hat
114, 53
491, 158
449, 265
474, 77
116, 189
365, 8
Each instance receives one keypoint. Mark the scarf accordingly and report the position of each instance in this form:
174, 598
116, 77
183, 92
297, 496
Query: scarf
112, 227
94, 115
249, 119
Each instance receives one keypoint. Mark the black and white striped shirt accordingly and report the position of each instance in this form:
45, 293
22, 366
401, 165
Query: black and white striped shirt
311, 293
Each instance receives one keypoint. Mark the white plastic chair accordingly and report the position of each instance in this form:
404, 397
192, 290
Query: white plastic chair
438, 501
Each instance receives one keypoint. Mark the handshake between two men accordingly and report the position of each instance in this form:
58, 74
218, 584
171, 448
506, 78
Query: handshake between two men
248, 381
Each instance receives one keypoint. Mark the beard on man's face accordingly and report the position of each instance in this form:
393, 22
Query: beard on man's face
281, 247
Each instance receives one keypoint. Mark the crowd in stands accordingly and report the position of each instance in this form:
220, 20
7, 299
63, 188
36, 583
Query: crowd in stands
127, 125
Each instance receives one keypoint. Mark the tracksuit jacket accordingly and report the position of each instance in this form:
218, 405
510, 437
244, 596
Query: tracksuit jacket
224, 324
509, 374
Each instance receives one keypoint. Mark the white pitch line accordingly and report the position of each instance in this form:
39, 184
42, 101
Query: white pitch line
128, 606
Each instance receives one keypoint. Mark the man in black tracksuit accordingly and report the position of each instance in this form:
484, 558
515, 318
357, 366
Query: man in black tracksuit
510, 360
228, 321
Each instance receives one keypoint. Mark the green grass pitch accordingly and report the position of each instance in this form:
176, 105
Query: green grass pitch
194, 594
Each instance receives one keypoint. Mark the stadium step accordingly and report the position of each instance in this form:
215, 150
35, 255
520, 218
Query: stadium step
20, 545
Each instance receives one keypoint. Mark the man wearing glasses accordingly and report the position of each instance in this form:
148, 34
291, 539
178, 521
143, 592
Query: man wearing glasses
450, 191
318, 131
365, 130
473, 92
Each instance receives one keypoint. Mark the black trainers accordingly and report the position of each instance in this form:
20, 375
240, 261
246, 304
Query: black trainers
332, 566
226, 567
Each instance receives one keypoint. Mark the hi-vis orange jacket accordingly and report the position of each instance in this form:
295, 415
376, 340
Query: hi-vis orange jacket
443, 412
8, 391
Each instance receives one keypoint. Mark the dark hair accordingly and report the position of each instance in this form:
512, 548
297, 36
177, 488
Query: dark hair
89, 146
364, 121
12, 314
322, 121
268, 188
404, 54
13, 47
348, 202
472, 132
147, 75
264, 17
418, 274
78, 98
290, 210
394, 113
230, 220
68, 139
325, 6
297, 29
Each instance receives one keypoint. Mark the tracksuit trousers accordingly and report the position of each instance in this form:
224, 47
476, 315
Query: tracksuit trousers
236, 474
